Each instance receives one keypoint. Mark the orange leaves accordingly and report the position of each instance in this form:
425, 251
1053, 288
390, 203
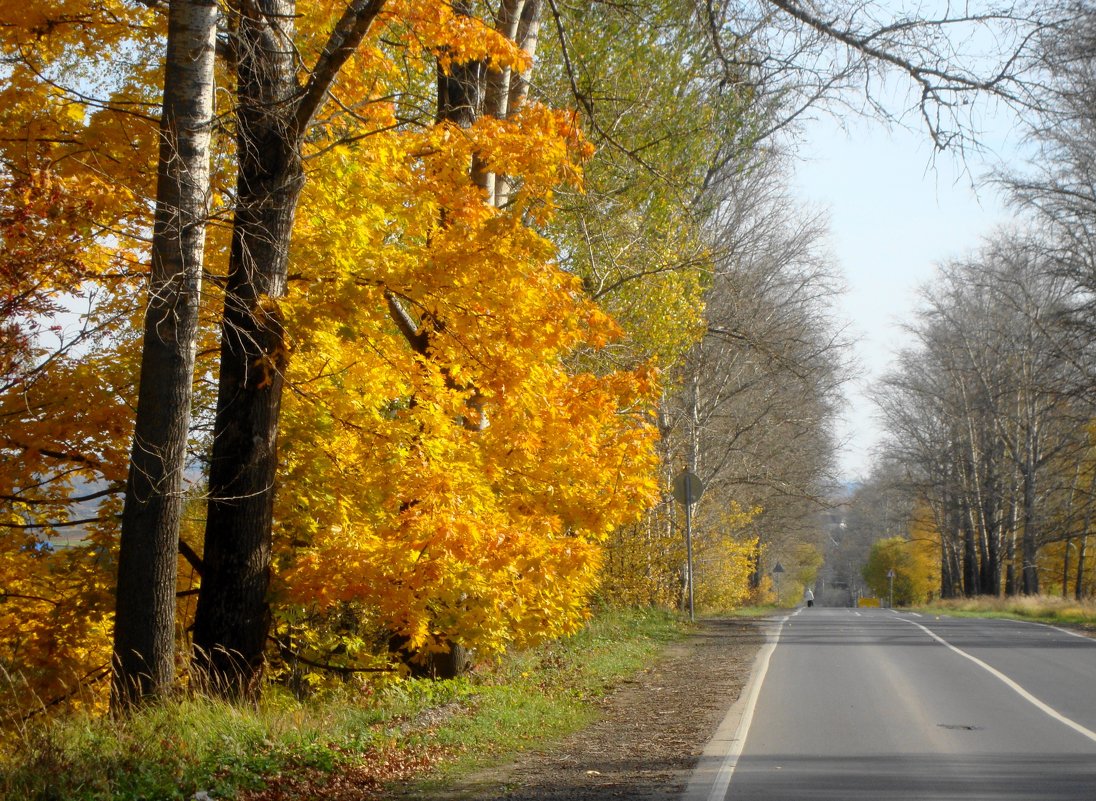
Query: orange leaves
54, 626
64, 435
447, 471
543, 147
451, 37
422, 311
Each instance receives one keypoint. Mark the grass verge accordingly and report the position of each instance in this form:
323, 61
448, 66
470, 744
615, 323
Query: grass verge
1037, 608
343, 745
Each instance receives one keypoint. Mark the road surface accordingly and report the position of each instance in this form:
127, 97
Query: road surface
850, 704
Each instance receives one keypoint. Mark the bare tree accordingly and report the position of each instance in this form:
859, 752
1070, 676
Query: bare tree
769, 369
981, 417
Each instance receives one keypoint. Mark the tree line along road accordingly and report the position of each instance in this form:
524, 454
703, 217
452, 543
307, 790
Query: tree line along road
875, 704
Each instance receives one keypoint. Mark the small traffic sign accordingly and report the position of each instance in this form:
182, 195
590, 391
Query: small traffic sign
688, 488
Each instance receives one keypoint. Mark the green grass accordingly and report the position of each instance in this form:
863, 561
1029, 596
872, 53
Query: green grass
177, 749
1038, 608
545, 693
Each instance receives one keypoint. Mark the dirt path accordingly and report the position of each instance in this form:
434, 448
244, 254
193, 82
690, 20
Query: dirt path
649, 736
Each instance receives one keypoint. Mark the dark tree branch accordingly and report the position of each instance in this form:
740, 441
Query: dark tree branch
191, 556
341, 45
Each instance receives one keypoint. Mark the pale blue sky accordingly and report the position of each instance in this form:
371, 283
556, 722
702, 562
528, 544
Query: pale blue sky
894, 214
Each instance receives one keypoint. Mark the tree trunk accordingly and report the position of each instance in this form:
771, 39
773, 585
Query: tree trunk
951, 566
144, 627
988, 532
1065, 567
1010, 557
520, 21
233, 619
970, 555
1029, 571
1078, 587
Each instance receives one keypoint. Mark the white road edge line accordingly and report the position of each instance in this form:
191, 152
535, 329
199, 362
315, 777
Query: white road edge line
731, 747
1056, 628
1040, 705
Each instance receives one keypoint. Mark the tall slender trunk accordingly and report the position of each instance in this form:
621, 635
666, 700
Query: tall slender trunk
144, 627
950, 568
944, 520
1065, 567
232, 618
523, 18
1011, 586
1029, 570
970, 556
273, 114
1078, 587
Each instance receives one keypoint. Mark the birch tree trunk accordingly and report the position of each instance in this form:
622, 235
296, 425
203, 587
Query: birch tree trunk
1029, 575
144, 628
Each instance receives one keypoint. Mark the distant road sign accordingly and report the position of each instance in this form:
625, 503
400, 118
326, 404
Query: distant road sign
779, 568
688, 488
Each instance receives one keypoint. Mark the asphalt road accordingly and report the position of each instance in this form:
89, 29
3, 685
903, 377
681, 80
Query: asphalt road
872, 704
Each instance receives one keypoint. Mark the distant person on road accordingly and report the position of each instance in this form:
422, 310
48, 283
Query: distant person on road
809, 596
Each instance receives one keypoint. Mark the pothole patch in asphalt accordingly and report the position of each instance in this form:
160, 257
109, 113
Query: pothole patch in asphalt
959, 726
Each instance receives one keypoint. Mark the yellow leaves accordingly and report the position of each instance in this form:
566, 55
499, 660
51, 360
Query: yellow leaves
416, 312
54, 626
64, 428
722, 568
435, 529
451, 37
540, 148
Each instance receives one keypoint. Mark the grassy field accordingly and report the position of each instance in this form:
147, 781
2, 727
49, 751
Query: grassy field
1039, 608
339, 746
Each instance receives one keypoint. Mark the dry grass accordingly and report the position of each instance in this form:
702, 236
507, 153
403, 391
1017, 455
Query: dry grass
1042, 608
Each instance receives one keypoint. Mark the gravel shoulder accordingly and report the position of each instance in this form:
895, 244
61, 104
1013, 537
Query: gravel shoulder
649, 735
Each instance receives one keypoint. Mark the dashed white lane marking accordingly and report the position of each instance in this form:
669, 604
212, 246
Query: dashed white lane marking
1016, 688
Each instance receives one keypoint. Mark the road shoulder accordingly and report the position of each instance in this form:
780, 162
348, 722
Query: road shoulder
650, 733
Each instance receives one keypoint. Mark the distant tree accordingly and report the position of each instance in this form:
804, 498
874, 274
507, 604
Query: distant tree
981, 418
913, 565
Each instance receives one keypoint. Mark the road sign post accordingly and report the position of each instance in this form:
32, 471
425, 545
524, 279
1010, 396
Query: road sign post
687, 489
890, 578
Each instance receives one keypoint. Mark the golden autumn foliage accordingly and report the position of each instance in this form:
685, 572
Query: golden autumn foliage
440, 530
459, 492
723, 560
645, 563
915, 562
64, 430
